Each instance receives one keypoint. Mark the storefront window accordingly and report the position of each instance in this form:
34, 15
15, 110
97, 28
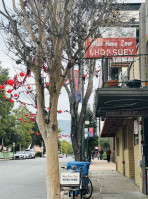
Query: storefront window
114, 73
136, 139
136, 132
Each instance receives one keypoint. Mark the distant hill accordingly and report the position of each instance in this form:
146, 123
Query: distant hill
65, 126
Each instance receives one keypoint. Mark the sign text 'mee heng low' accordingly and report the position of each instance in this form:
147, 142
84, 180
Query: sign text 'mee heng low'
110, 47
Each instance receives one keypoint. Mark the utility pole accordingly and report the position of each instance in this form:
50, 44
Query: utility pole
87, 137
13, 148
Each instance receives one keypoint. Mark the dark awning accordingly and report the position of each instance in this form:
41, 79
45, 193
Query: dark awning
115, 102
110, 127
114, 105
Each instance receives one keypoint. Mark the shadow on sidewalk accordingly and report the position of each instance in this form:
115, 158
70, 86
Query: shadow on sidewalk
102, 165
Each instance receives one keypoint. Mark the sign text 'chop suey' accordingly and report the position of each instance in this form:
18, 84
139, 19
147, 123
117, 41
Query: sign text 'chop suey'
110, 47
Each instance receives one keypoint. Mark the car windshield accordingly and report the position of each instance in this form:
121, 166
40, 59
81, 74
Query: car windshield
19, 152
31, 150
26, 152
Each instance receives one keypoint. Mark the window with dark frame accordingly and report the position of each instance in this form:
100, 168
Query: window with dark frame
136, 139
114, 74
136, 133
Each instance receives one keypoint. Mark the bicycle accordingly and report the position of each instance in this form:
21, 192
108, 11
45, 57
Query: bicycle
84, 187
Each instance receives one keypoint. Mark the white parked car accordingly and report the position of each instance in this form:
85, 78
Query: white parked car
28, 154
44, 155
32, 152
20, 155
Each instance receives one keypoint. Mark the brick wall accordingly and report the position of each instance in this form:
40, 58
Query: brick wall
119, 158
130, 129
126, 155
138, 156
112, 143
126, 159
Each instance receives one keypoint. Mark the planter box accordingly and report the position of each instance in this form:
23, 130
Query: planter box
146, 84
112, 83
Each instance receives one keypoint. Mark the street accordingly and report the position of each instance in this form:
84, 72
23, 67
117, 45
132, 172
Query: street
25, 179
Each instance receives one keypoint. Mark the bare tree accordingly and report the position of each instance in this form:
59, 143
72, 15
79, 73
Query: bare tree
77, 119
48, 36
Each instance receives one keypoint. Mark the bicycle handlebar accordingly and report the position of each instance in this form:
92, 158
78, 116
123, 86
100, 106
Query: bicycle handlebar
74, 167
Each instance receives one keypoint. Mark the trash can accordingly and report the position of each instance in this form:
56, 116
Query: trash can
85, 166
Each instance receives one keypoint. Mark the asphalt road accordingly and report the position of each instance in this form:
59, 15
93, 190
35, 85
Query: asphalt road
24, 179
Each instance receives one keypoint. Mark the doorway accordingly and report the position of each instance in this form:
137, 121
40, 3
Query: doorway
145, 154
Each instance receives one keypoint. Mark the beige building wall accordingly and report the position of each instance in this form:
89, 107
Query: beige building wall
119, 152
134, 72
125, 157
138, 157
130, 133
128, 156
126, 160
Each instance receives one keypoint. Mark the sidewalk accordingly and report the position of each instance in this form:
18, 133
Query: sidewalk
110, 184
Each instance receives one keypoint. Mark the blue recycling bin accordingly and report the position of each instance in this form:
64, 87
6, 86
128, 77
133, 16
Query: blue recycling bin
85, 166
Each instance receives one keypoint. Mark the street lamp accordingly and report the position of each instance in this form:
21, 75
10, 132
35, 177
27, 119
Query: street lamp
87, 122
13, 147
86, 134
86, 146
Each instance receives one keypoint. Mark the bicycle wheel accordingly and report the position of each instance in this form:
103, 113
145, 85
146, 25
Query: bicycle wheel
87, 187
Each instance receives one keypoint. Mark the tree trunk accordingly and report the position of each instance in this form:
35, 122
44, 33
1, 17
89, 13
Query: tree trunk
3, 149
20, 147
76, 149
77, 130
76, 143
47, 123
77, 125
52, 166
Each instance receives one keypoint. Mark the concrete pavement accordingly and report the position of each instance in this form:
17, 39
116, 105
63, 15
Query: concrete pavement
110, 184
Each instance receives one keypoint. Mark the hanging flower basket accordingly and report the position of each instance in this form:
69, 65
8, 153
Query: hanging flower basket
112, 83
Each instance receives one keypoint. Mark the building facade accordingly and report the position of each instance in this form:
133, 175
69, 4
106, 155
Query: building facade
123, 109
